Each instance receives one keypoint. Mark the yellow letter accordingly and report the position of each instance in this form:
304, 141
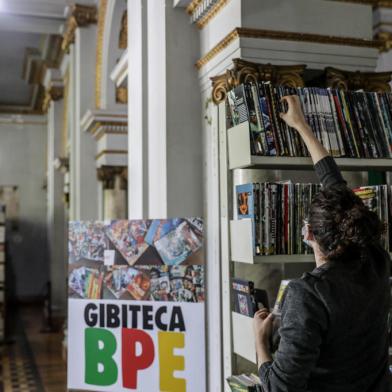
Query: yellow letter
168, 362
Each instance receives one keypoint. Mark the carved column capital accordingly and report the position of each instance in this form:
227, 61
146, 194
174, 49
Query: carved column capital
386, 38
349, 80
81, 16
246, 71
107, 175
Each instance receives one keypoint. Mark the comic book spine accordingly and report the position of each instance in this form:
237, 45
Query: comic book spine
273, 214
261, 137
341, 127
267, 220
352, 133
383, 125
330, 124
280, 148
271, 138
375, 125
250, 116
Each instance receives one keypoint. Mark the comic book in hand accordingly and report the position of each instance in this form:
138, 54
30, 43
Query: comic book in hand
277, 310
244, 383
244, 301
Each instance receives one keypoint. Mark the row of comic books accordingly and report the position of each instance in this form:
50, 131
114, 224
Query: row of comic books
353, 124
278, 211
154, 283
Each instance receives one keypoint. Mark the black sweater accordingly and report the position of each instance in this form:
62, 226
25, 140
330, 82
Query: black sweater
334, 335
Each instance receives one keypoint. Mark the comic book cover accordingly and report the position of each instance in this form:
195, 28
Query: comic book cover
159, 228
128, 237
178, 244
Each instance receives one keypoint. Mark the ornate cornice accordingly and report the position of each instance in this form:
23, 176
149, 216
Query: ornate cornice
107, 152
211, 13
100, 36
193, 5
81, 16
123, 38
54, 93
368, 81
240, 32
246, 71
108, 174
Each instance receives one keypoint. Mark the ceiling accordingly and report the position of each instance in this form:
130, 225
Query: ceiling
27, 29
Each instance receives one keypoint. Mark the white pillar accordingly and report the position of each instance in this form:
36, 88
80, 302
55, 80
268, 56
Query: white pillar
57, 225
165, 138
84, 186
137, 110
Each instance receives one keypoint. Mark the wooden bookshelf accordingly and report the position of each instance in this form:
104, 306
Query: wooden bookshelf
240, 156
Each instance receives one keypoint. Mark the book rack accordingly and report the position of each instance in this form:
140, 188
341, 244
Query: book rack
236, 235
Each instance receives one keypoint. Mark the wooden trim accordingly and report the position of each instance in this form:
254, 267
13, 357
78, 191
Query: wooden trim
285, 36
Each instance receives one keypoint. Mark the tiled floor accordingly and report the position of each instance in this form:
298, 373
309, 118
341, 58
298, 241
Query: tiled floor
32, 361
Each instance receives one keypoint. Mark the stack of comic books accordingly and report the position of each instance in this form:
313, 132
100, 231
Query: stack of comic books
353, 124
278, 211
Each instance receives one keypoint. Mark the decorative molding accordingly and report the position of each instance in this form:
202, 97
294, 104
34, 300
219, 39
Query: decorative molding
81, 16
348, 80
54, 93
122, 95
123, 38
202, 11
192, 6
211, 13
240, 32
100, 37
246, 71
99, 122
106, 152
107, 175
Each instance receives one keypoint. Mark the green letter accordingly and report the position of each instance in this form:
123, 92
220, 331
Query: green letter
100, 345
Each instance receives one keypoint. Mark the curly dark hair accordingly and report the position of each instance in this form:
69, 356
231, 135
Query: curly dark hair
342, 225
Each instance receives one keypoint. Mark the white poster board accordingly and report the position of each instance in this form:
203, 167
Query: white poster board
136, 306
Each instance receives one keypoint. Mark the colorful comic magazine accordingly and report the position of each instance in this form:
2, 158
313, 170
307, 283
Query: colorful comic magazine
178, 245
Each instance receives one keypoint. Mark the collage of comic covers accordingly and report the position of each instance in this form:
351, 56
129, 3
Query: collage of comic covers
150, 260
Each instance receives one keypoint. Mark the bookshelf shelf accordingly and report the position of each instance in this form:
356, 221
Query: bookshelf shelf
243, 341
242, 249
241, 158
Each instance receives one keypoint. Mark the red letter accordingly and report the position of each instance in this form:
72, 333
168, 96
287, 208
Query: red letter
131, 363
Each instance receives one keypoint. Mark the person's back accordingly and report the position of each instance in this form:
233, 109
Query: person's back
354, 350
